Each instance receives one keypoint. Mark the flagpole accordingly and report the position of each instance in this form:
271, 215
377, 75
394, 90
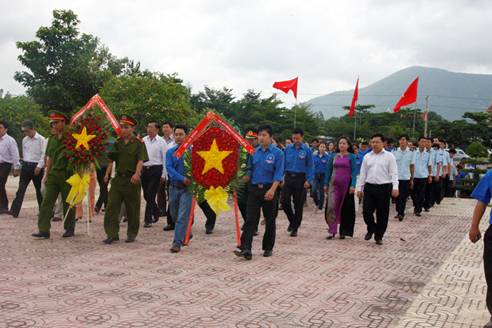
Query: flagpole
295, 112
414, 119
355, 127
426, 115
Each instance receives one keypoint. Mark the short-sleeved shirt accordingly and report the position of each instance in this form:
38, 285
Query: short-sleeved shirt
435, 159
422, 161
443, 158
483, 191
127, 155
404, 158
55, 150
266, 165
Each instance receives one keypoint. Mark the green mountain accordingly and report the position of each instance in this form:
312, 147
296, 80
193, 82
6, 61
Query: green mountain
450, 94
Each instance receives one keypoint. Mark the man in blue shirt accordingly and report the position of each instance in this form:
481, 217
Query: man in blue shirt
405, 162
265, 172
320, 159
422, 175
436, 167
299, 176
179, 196
483, 193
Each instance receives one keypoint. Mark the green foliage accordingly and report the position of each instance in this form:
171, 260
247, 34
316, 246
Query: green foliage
477, 150
17, 109
150, 96
64, 67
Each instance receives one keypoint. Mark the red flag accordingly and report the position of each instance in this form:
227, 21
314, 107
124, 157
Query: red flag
355, 97
409, 97
286, 86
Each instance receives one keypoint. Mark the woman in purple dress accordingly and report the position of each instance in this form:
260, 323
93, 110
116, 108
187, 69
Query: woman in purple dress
340, 179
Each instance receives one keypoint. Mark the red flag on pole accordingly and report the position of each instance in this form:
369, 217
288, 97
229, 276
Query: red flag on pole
355, 97
287, 86
409, 96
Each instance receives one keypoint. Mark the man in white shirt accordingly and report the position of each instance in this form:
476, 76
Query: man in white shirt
377, 183
9, 157
406, 168
33, 152
167, 135
154, 171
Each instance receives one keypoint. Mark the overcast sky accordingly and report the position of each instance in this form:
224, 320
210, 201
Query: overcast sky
250, 44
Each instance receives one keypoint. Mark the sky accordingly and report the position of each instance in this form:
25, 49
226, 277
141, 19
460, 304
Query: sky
250, 44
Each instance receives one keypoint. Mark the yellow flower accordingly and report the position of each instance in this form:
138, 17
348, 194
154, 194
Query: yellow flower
83, 138
217, 199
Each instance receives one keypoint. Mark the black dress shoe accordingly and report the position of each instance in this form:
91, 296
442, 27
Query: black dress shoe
379, 242
400, 218
43, 235
426, 209
368, 236
168, 228
109, 240
330, 237
246, 254
418, 214
147, 225
397, 216
209, 231
293, 234
342, 237
68, 233
175, 249
130, 239
289, 229
56, 219
267, 253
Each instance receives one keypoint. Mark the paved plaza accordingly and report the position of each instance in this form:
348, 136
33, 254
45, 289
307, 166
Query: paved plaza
427, 274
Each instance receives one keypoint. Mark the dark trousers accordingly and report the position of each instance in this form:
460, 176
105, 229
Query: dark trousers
318, 191
103, 188
256, 203
429, 195
209, 214
162, 203
4, 174
293, 189
437, 192
151, 178
487, 263
404, 192
26, 175
418, 192
376, 198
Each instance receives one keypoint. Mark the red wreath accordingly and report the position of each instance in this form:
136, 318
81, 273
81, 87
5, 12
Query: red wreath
225, 142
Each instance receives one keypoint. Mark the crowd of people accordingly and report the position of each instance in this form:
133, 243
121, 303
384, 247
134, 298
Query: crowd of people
339, 176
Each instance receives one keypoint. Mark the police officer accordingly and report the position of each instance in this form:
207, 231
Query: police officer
57, 171
129, 154
298, 178
265, 172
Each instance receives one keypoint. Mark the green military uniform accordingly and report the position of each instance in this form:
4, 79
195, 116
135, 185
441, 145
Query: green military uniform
56, 183
126, 156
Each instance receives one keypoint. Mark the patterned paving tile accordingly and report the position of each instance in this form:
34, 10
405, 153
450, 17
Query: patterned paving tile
425, 275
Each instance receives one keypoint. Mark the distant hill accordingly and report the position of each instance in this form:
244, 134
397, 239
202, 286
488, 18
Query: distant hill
450, 94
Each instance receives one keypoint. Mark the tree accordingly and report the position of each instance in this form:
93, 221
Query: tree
150, 96
65, 68
477, 150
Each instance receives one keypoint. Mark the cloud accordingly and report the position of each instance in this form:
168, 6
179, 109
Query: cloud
249, 44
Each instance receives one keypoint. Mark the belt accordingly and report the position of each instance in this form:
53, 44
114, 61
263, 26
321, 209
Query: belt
152, 166
379, 185
125, 175
295, 174
178, 185
262, 186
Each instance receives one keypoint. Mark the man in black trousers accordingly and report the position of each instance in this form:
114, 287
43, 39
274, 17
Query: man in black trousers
265, 172
299, 176
153, 171
9, 157
32, 169
422, 175
378, 182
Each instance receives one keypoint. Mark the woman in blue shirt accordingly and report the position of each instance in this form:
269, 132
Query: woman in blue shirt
320, 161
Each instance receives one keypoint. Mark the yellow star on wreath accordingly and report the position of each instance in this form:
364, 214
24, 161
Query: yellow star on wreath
83, 138
213, 158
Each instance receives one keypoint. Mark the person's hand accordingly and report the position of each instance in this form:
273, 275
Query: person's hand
187, 181
16, 173
325, 188
395, 193
135, 178
429, 180
269, 194
436, 178
411, 184
351, 190
246, 178
45, 179
106, 178
360, 194
307, 185
474, 234
37, 171
163, 180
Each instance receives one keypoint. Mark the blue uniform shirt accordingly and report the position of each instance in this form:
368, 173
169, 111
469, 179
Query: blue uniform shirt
483, 191
403, 161
434, 160
175, 166
321, 163
299, 160
266, 165
422, 161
